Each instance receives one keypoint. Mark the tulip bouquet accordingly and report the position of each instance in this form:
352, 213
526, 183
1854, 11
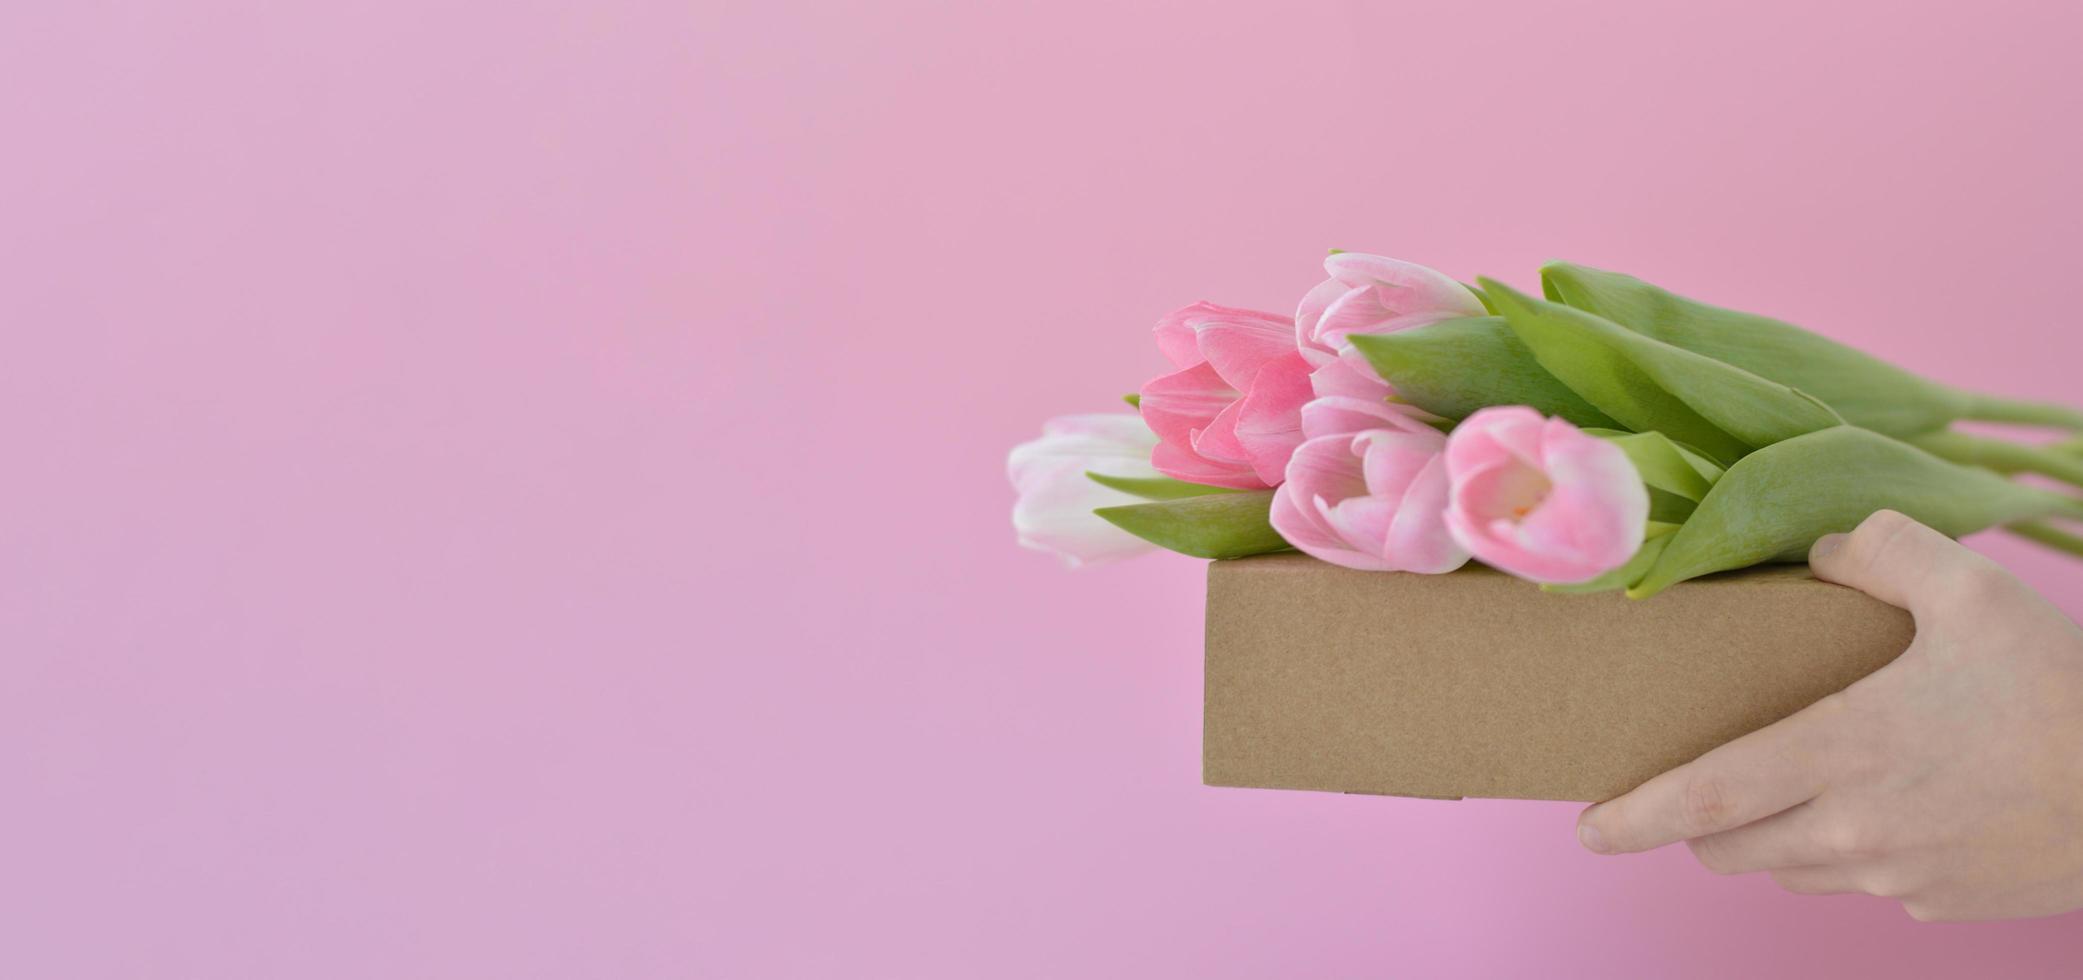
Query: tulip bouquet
1605, 435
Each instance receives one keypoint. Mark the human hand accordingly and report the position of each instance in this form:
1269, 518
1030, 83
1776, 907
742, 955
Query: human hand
1951, 779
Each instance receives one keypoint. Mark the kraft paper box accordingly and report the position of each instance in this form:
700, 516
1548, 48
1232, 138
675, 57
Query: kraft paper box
1479, 684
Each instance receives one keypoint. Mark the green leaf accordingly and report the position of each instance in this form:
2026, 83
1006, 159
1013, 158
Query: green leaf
1454, 367
1777, 501
1664, 464
1867, 391
1155, 487
1669, 508
1647, 385
1134, 399
1226, 525
2001, 455
1477, 292
2049, 535
1654, 539
1991, 408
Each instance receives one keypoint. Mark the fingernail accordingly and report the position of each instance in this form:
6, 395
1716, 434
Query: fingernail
1589, 837
1826, 546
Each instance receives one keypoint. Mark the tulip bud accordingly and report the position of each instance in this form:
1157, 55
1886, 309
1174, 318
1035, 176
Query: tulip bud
1056, 498
1367, 490
1540, 498
1369, 295
1230, 415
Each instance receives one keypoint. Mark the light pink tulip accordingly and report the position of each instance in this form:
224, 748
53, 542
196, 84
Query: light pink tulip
1539, 499
1370, 294
1231, 414
1368, 490
1054, 512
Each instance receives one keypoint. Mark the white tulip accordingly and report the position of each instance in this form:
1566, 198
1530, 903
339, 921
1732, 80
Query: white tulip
1054, 512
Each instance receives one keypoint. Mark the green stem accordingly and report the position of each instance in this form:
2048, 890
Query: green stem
1987, 408
2001, 455
2048, 535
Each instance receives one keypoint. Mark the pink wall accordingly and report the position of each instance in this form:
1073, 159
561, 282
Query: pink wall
514, 490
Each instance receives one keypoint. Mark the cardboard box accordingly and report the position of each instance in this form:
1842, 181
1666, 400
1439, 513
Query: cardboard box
1478, 684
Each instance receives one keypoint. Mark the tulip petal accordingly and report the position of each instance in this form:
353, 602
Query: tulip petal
1057, 517
1176, 404
1116, 443
1541, 499
1319, 465
1359, 310
1181, 463
1492, 436
1390, 460
1056, 499
1344, 376
1341, 415
1311, 310
1241, 342
1269, 418
1327, 467
1300, 524
1364, 524
1383, 295
1218, 441
1599, 500
1416, 286
1175, 337
1418, 539
1372, 309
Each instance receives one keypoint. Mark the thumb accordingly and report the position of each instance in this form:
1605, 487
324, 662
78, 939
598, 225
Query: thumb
1896, 560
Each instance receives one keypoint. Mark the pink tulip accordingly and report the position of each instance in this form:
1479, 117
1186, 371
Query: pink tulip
1539, 499
1054, 512
1231, 415
1368, 490
1370, 294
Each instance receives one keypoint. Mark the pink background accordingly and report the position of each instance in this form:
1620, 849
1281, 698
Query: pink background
515, 489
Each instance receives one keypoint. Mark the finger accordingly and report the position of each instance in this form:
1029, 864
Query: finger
1880, 878
1751, 778
1817, 880
1792, 838
1896, 560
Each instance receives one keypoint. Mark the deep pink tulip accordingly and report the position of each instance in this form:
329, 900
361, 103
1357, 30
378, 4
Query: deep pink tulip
1368, 490
1370, 294
1231, 414
1540, 499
